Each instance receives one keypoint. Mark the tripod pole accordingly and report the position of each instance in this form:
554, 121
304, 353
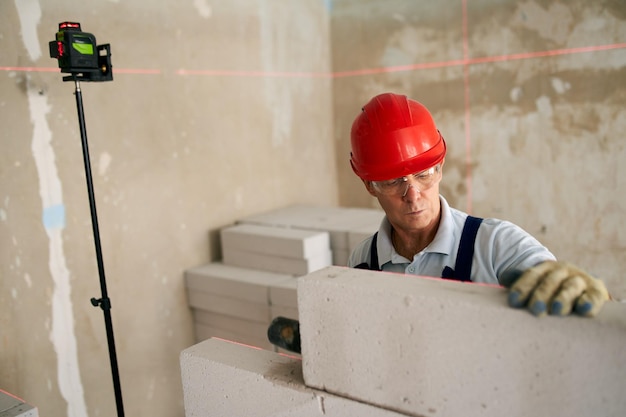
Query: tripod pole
104, 302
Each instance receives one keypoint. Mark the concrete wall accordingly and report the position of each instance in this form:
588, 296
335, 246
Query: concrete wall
220, 110
175, 156
530, 97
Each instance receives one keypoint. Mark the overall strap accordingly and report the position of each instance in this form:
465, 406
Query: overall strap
373, 265
465, 255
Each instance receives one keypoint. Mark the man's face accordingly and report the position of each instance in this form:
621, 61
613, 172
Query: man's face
411, 203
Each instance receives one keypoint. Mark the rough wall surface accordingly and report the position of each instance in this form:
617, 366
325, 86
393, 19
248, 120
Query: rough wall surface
214, 114
530, 96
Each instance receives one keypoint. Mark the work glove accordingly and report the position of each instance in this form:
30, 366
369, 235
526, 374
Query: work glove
557, 288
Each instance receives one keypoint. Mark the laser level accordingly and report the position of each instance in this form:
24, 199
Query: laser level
79, 55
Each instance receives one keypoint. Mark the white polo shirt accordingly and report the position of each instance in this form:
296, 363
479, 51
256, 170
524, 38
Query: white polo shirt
500, 246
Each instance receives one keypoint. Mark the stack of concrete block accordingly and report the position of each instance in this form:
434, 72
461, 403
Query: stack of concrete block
232, 303
339, 222
237, 298
284, 299
374, 342
276, 249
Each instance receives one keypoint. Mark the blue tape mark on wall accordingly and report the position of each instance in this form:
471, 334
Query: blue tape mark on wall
329, 5
54, 217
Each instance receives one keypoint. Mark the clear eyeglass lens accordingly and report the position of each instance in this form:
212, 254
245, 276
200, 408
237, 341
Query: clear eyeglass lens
424, 179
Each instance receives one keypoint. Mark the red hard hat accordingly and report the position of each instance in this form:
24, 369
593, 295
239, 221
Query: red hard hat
392, 137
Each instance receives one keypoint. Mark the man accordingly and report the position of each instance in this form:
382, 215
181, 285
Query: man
399, 155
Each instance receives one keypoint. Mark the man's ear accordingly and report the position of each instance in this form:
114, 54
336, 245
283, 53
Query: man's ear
369, 187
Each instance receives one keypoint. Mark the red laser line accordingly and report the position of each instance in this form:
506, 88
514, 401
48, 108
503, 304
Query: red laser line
236, 73
466, 61
236, 343
466, 94
540, 54
48, 69
12, 395
29, 69
136, 71
352, 73
479, 60
254, 347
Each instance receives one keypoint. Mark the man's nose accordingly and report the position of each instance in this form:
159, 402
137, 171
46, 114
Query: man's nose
411, 184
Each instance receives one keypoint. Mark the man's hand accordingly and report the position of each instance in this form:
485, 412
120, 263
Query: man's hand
558, 288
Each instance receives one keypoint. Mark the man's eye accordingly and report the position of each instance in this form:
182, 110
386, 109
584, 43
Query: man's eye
393, 183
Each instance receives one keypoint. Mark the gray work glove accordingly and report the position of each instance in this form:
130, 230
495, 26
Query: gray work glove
557, 288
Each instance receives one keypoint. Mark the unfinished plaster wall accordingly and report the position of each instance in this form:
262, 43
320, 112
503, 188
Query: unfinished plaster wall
530, 96
215, 113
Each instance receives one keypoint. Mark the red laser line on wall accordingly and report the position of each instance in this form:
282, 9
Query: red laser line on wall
52, 69
468, 131
352, 73
29, 69
237, 73
480, 60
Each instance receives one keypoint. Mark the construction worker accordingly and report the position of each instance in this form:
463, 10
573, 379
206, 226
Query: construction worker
399, 155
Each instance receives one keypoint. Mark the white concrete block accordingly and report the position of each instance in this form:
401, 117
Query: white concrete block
290, 216
204, 332
292, 266
340, 257
280, 311
224, 379
359, 234
284, 293
232, 281
350, 219
337, 221
229, 306
254, 329
276, 241
433, 347
12, 406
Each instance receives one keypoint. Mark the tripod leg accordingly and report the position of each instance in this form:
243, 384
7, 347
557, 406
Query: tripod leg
103, 302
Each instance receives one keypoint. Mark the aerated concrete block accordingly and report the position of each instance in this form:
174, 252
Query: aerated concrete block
204, 332
229, 306
432, 347
12, 406
284, 293
284, 299
232, 281
288, 312
276, 241
277, 264
337, 221
255, 329
340, 257
357, 235
225, 379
